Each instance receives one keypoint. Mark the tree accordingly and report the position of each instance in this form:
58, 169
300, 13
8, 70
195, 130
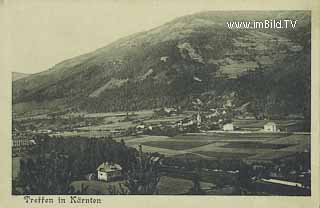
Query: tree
196, 188
48, 174
144, 176
243, 177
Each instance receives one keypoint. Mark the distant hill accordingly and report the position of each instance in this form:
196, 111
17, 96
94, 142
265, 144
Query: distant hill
18, 75
191, 56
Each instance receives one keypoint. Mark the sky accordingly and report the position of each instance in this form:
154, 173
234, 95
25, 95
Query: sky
40, 34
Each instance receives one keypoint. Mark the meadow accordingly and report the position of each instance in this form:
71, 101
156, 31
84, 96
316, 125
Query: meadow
225, 146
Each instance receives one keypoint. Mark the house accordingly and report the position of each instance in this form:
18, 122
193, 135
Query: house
140, 127
156, 159
228, 127
107, 171
270, 127
164, 58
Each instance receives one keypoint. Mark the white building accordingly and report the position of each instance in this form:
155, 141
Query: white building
270, 127
228, 127
140, 127
107, 171
164, 58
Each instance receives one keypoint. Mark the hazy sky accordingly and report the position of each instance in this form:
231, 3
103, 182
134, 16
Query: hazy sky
43, 33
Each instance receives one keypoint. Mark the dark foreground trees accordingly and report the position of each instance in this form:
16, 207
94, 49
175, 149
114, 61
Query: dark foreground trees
55, 162
142, 178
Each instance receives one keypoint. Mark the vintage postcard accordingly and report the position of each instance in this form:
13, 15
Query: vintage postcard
205, 103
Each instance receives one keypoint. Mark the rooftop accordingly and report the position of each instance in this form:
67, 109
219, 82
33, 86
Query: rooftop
108, 167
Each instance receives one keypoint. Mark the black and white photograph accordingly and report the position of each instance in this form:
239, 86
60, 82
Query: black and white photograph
194, 101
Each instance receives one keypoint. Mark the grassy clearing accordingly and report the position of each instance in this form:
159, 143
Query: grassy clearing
115, 125
189, 156
96, 134
176, 186
96, 187
252, 123
166, 152
164, 119
222, 147
146, 138
298, 148
175, 145
225, 155
255, 145
271, 155
226, 136
119, 114
292, 139
129, 138
209, 147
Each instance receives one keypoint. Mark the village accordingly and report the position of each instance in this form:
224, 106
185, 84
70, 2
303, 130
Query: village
262, 150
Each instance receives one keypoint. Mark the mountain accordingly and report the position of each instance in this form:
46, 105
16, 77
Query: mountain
195, 56
18, 75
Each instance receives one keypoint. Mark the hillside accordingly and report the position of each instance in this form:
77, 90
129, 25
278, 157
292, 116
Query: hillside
191, 56
18, 75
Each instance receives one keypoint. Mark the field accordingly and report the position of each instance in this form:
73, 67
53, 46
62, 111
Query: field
224, 155
176, 186
92, 133
104, 123
257, 146
167, 185
210, 148
96, 187
282, 124
176, 145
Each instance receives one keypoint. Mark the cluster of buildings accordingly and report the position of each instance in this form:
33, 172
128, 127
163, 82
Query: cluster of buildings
21, 141
213, 120
216, 119
164, 126
263, 126
267, 127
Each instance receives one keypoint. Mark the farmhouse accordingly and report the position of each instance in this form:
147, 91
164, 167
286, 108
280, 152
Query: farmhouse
228, 127
270, 127
108, 172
